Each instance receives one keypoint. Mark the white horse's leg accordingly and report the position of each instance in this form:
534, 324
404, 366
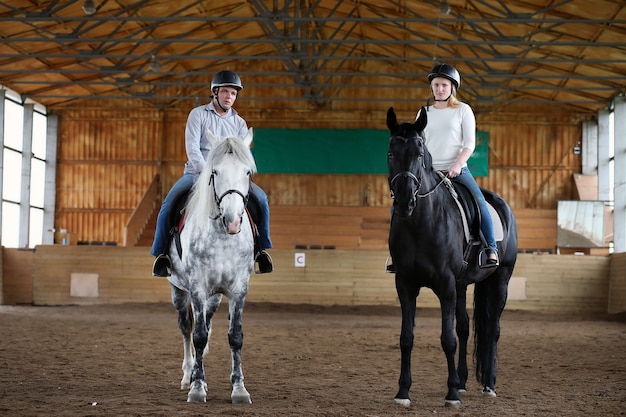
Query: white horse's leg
198, 387
203, 314
188, 361
239, 394
180, 300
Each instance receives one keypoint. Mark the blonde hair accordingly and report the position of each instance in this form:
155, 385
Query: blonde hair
453, 101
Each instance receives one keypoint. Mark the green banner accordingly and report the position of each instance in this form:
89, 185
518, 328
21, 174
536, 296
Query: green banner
335, 151
478, 163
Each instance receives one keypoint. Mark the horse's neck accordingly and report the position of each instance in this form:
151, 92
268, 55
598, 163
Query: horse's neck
436, 199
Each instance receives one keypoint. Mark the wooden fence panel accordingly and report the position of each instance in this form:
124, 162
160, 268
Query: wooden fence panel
551, 283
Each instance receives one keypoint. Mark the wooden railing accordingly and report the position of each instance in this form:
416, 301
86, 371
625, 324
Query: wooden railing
329, 227
333, 227
138, 220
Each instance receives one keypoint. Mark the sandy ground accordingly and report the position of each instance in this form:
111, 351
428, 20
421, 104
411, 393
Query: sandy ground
124, 360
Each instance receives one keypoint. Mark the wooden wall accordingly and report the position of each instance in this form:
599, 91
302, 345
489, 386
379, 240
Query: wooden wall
106, 161
617, 284
16, 278
108, 156
550, 283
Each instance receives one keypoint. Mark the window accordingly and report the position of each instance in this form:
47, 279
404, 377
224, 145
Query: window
13, 145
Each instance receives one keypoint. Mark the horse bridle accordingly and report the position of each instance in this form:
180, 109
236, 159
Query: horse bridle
218, 199
417, 180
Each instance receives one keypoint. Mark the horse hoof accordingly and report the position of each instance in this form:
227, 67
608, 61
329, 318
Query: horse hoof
462, 391
240, 396
197, 393
454, 404
196, 397
489, 392
404, 402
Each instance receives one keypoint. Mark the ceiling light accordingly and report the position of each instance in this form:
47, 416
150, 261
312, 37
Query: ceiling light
155, 65
444, 7
89, 8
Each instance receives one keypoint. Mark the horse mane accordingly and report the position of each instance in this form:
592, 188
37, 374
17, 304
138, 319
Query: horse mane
202, 204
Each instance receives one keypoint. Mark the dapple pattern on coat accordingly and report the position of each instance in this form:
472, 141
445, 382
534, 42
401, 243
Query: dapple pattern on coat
217, 259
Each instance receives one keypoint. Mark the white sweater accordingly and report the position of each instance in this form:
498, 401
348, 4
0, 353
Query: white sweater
448, 132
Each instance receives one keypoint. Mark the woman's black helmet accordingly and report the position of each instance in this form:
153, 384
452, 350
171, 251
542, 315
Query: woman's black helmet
445, 71
226, 78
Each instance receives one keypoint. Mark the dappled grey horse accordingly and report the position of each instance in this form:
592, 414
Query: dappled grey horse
216, 258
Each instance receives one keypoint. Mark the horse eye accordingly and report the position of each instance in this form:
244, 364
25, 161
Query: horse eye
390, 155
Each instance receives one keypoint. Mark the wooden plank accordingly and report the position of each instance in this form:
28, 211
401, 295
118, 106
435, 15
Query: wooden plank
17, 276
617, 284
553, 283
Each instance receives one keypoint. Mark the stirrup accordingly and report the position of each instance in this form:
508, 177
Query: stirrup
485, 262
264, 262
162, 266
390, 268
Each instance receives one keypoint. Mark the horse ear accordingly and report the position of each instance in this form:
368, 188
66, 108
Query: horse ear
211, 138
392, 120
422, 119
248, 139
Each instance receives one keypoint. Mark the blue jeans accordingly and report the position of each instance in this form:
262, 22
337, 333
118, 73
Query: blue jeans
486, 224
183, 185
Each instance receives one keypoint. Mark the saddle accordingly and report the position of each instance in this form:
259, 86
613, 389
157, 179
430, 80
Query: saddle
177, 219
470, 214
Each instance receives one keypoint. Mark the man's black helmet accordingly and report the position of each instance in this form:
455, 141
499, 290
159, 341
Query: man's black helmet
445, 71
226, 78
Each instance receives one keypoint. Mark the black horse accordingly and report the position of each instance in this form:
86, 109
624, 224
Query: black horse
429, 248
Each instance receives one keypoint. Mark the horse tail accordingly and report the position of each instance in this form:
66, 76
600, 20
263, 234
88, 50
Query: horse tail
489, 300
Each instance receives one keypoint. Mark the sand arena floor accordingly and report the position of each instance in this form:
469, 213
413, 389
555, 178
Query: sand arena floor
124, 360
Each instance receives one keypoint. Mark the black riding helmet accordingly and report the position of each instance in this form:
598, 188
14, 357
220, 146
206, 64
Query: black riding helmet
445, 71
226, 78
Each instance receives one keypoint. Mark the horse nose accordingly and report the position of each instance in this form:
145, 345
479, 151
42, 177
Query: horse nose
232, 225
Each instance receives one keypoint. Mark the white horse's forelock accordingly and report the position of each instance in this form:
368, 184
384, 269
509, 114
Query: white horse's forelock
202, 204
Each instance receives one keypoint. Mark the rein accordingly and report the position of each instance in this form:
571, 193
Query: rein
416, 180
218, 199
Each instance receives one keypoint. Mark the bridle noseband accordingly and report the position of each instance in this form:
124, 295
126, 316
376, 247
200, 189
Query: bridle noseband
405, 174
218, 199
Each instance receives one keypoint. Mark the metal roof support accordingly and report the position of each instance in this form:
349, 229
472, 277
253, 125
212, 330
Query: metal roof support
590, 148
604, 138
619, 176
50, 187
27, 146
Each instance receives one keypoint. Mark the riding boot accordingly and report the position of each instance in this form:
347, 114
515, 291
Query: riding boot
265, 262
162, 266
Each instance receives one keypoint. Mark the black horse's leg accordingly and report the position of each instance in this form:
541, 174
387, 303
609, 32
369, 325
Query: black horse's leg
408, 297
462, 331
447, 299
489, 298
198, 387
239, 394
180, 300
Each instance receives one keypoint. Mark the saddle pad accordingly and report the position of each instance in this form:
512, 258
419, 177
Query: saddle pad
498, 230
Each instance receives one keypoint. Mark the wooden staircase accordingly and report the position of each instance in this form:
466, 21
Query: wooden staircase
139, 231
147, 235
